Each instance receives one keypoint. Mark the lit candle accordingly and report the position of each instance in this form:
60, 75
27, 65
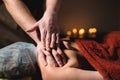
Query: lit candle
69, 33
81, 33
92, 32
74, 32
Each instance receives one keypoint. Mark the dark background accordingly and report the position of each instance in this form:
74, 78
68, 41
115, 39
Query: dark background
102, 14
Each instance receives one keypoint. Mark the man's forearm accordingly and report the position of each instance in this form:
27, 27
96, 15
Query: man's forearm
22, 16
52, 7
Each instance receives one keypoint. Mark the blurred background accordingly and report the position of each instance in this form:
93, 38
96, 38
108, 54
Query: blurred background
102, 14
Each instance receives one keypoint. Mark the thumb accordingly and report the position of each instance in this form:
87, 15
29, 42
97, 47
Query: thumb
32, 28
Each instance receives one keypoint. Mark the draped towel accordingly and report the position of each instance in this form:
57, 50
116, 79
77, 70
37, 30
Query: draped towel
104, 56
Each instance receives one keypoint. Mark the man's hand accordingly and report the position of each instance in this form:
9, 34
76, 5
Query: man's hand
49, 72
49, 32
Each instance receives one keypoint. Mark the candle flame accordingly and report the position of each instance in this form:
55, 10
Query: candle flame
74, 30
81, 31
92, 30
69, 33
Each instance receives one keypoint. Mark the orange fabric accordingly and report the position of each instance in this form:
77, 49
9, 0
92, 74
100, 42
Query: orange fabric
105, 56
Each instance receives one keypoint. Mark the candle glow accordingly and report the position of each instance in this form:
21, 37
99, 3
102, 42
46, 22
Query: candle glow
81, 31
92, 30
69, 33
74, 31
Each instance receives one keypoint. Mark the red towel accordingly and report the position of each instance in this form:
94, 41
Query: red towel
105, 56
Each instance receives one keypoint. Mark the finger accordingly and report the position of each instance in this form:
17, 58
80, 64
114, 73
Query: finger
32, 28
43, 35
48, 40
50, 59
64, 58
57, 38
57, 58
41, 58
67, 44
52, 44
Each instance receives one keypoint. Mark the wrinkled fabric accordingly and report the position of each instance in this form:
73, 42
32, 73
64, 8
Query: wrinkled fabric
105, 56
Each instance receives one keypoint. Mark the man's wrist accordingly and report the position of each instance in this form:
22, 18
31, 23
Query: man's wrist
51, 12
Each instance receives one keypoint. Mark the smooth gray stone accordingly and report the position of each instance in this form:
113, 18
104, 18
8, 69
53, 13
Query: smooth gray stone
18, 60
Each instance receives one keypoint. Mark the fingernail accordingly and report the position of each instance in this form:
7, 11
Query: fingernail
52, 46
48, 49
61, 64
44, 63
